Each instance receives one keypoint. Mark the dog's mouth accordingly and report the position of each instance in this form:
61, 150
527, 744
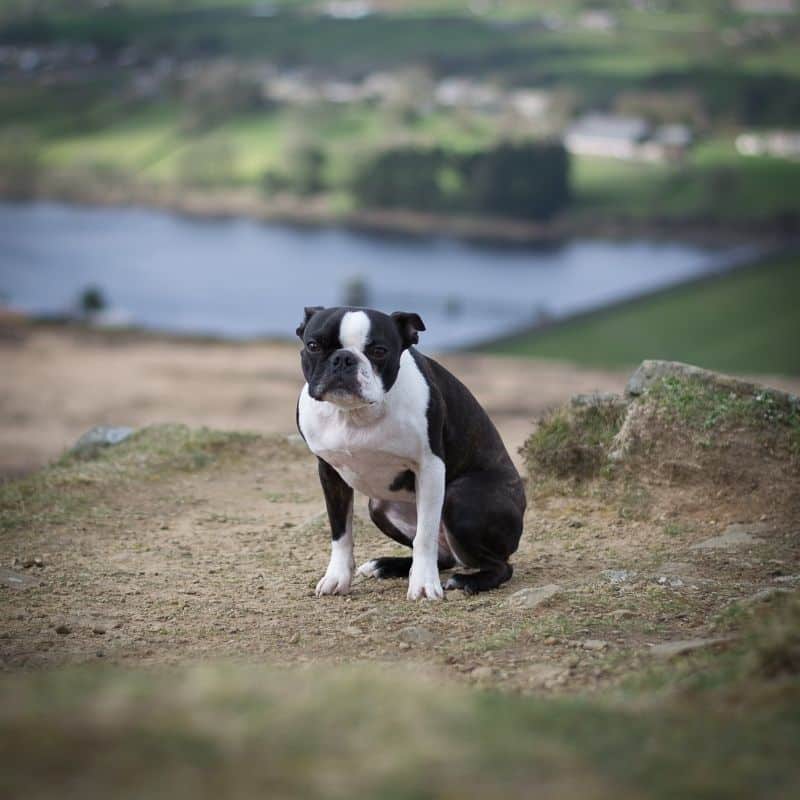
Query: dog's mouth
338, 392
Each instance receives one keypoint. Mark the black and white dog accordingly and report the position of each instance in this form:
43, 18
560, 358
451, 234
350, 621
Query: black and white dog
386, 420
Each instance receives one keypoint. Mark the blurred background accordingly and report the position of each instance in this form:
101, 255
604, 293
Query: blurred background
591, 182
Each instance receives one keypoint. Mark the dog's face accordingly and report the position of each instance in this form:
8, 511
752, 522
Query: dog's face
351, 356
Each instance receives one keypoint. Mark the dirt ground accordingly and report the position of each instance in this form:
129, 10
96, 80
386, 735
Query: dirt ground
142, 562
58, 383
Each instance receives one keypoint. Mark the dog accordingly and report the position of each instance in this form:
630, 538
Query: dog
387, 421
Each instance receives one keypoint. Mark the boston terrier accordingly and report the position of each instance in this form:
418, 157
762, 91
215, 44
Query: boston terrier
386, 420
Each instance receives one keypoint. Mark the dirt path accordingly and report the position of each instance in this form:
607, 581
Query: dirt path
152, 566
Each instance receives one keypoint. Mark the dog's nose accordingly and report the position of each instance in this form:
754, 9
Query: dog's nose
342, 359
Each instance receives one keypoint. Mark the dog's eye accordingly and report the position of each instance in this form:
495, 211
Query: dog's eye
377, 351
313, 347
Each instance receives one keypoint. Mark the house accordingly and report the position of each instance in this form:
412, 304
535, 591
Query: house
607, 135
627, 138
778, 144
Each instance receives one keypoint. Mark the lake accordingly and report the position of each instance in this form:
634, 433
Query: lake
241, 278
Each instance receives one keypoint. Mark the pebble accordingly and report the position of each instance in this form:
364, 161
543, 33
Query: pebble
532, 596
482, 673
294, 638
98, 630
63, 630
621, 613
414, 634
595, 644
352, 630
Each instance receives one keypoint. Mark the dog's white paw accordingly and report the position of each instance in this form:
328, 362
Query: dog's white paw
335, 581
369, 569
424, 583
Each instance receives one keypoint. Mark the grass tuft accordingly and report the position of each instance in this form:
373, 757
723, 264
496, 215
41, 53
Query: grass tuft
573, 442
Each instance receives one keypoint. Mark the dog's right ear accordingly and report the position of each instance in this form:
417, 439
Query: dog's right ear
309, 312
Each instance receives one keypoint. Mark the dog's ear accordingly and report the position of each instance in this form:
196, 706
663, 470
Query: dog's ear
408, 326
309, 312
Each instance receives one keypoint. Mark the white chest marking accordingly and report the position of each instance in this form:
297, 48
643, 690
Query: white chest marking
370, 447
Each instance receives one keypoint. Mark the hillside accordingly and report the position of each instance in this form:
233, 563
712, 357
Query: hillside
744, 321
651, 621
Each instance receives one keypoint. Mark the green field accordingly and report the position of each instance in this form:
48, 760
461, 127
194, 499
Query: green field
746, 322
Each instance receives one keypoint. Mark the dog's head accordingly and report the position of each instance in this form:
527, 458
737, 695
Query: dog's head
351, 356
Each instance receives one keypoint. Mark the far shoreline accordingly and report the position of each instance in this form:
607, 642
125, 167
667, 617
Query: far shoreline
318, 213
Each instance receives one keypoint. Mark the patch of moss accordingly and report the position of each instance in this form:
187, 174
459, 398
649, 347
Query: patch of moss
574, 441
706, 407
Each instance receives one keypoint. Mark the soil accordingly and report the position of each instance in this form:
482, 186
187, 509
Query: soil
219, 561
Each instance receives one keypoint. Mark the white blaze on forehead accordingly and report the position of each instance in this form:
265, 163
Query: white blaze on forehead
354, 330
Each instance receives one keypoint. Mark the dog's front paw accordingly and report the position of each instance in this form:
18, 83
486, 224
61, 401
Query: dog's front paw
335, 581
423, 582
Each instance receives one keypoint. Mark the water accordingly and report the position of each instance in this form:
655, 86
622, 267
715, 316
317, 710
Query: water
239, 278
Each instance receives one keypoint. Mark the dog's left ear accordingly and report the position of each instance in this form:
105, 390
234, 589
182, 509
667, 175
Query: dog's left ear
309, 312
408, 326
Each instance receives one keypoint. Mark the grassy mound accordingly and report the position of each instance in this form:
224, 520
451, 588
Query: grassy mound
712, 427
79, 478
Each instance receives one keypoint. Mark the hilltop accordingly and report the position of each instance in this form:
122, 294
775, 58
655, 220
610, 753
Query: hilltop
654, 597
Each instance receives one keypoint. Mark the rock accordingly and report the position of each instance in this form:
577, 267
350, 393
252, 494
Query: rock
101, 436
63, 630
596, 399
767, 595
617, 575
673, 583
17, 580
544, 674
294, 638
38, 561
735, 535
404, 646
551, 640
98, 630
482, 673
530, 597
352, 630
414, 634
621, 613
595, 644
652, 371
668, 650
574, 523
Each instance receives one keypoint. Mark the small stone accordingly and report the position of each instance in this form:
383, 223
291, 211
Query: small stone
63, 629
551, 640
767, 595
671, 649
482, 673
100, 654
595, 644
617, 575
735, 535
294, 638
404, 646
621, 613
531, 597
574, 523
414, 634
98, 630
101, 436
38, 561
352, 630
